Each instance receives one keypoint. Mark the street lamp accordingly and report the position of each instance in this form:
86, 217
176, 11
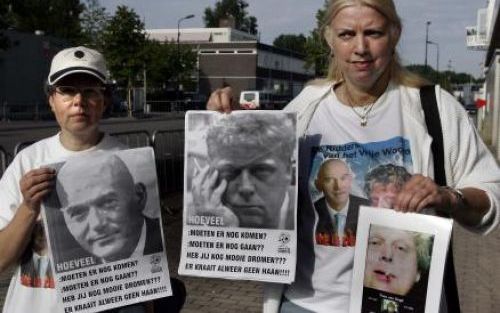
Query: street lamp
177, 87
437, 58
426, 41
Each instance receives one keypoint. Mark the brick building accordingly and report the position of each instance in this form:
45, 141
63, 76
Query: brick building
229, 56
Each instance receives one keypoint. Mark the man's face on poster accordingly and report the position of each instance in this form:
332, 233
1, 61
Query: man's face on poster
383, 194
391, 260
102, 212
334, 180
257, 183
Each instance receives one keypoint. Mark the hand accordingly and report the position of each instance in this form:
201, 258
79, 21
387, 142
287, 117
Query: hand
35, 185
221, 100
422, 192
207, 197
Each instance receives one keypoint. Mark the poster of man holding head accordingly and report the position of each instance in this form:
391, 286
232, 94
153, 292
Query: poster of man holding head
240, 195
104, 231
399, 267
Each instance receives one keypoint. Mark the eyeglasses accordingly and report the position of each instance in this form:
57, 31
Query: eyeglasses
88, 92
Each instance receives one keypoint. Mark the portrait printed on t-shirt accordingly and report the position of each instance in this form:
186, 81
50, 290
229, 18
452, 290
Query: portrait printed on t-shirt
343, 177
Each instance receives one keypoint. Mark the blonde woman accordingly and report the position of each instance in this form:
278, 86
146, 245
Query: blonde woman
368, 112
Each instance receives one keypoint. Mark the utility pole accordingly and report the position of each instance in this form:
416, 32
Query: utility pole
178, 65
426, 41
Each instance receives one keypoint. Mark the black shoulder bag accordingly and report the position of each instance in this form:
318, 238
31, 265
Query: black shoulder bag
429, 105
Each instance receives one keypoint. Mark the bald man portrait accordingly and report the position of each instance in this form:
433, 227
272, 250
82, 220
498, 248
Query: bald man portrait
338, 208
103, 211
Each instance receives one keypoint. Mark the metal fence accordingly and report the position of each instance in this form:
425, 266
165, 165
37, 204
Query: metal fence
134, 139
3, 160
17, 110
20, 146
169, 153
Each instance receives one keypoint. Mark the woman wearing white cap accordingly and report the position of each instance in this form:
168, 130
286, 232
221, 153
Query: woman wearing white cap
78, 95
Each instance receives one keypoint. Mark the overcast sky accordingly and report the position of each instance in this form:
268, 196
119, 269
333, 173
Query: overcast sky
274, 17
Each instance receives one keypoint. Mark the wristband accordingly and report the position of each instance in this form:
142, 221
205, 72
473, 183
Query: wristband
459, 199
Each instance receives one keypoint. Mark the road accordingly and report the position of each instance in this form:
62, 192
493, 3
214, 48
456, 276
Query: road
14, 132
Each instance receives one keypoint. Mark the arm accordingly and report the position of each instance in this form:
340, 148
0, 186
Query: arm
16, 235
470, 168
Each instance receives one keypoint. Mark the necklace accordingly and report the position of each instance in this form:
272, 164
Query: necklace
365, 109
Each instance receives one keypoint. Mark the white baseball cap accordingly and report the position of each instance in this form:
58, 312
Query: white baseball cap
77, 60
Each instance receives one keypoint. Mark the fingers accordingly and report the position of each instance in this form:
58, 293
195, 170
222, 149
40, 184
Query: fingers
200, 185
416, 194
217, 193
35, 185
221, 100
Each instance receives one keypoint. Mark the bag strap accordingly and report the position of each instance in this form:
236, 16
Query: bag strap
433, 122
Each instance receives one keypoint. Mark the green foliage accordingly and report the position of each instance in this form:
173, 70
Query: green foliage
445, 78
234, 8
59, 18
296, 43
124, 45
317, 50
4, 16
165, 61
94, 20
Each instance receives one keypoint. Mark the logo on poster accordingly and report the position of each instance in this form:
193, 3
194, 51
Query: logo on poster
155, 263
284, 239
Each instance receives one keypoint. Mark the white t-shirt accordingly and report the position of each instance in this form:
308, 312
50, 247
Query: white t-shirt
324, 271
31, 288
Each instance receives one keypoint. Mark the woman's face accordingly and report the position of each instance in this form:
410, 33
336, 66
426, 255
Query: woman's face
391, 260
362, 44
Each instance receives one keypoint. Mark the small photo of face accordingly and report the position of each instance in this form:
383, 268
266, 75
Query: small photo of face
396, 259
389, 306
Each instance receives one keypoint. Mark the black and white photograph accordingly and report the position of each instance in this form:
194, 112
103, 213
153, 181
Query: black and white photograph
241, 169
240, 178
103, 222
399, 261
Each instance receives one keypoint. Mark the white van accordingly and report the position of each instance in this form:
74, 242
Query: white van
250, 100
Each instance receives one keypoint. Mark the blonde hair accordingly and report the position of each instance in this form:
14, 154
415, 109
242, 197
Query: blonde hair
398, 73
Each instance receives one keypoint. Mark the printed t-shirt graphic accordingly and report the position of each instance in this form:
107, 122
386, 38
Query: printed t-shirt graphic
343, 177
36, 271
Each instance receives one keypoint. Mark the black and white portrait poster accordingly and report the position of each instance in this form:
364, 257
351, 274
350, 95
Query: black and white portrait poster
399, 262
103, 225
240, 192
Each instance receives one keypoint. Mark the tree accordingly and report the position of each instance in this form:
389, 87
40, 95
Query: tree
163, 60
59, 18
296, 43
231, 8
4, 15
447, 79
124, 47
317, 50
94, 20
